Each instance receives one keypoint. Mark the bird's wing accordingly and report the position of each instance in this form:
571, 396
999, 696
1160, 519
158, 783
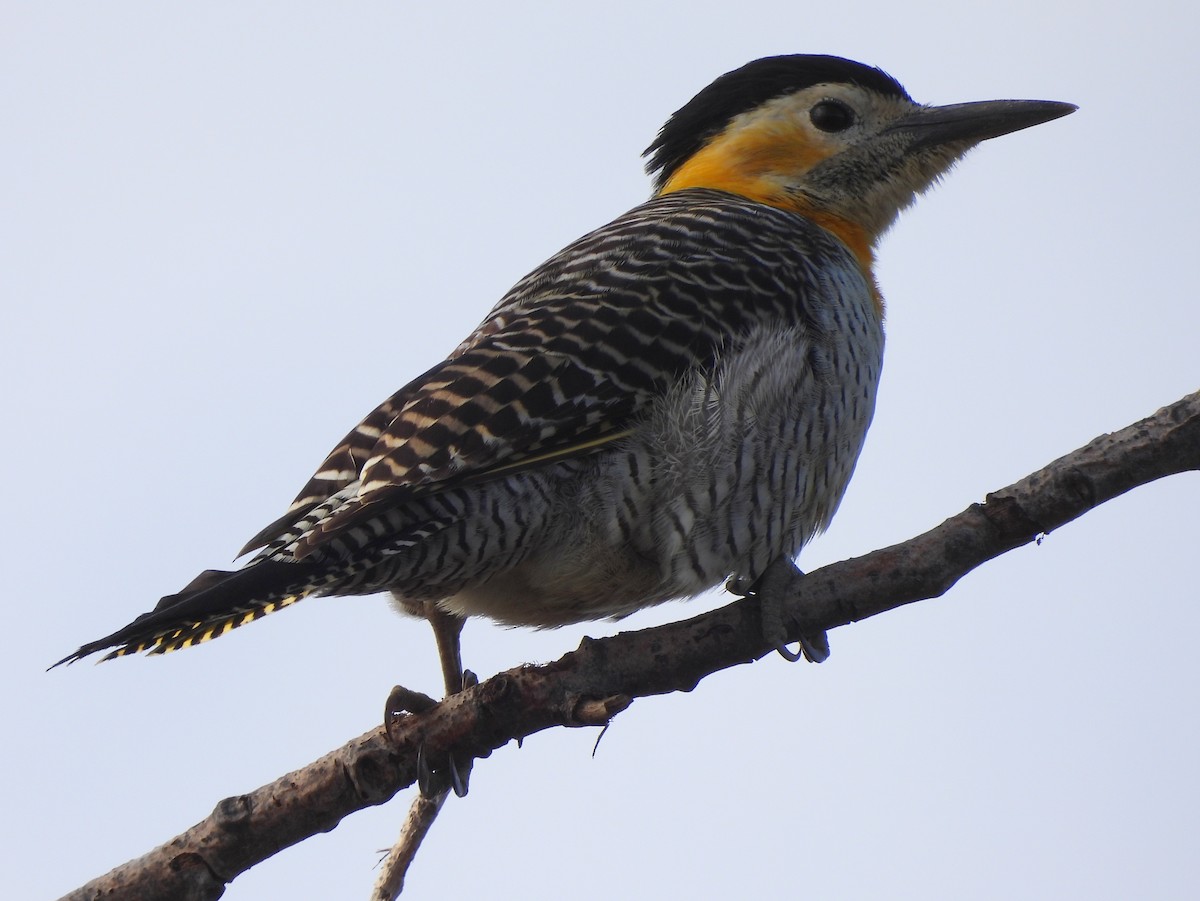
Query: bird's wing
561, 366
517, 396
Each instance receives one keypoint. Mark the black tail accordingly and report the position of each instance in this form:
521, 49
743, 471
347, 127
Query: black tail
214, 603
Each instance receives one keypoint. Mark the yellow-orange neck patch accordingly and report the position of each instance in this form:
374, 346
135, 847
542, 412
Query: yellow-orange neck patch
758, 162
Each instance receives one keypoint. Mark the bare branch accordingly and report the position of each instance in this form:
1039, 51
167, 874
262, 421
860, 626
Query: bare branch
601, 677
421, 815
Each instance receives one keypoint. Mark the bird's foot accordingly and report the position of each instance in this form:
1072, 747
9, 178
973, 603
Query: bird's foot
452, 771
770, 589
441, 771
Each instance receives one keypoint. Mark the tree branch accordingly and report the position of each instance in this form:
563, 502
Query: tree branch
598, 680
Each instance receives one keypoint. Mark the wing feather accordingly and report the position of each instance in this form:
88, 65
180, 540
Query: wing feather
566, 362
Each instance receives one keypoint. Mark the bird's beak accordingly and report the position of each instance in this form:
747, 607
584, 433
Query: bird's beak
971, 123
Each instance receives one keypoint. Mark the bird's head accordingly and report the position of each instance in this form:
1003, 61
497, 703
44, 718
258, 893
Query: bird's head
839, 141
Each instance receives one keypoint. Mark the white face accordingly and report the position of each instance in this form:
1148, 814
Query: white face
831, 117
858, 165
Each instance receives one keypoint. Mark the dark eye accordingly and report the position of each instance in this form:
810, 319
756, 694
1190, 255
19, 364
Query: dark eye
831, 115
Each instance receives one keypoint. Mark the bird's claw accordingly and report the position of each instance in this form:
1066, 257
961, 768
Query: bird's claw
425, 782
789, 655
740, 586
459, 778
403, 700
432, 782
813, 648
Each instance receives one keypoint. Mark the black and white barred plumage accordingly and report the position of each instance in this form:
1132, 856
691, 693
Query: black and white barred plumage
676, 398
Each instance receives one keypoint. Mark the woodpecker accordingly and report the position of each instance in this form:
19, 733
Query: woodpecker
676, 399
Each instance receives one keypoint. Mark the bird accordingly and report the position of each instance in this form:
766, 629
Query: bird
675, 400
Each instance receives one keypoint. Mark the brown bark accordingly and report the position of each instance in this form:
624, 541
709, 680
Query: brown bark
601, 678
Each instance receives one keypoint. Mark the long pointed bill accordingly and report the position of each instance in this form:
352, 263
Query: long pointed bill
975, 122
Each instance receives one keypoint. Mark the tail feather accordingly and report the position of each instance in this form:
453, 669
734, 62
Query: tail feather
215, 602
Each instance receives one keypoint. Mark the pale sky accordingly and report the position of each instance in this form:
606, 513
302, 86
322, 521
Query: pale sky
229, 230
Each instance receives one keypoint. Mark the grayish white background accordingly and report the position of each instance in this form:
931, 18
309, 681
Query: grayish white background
227, 230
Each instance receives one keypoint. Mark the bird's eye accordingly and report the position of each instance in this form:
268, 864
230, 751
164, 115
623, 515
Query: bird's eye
831, 115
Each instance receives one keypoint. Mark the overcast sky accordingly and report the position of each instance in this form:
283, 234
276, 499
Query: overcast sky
228, 230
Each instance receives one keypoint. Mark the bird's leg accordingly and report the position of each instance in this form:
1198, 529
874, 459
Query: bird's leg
771, 588
432, 790
447, 632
